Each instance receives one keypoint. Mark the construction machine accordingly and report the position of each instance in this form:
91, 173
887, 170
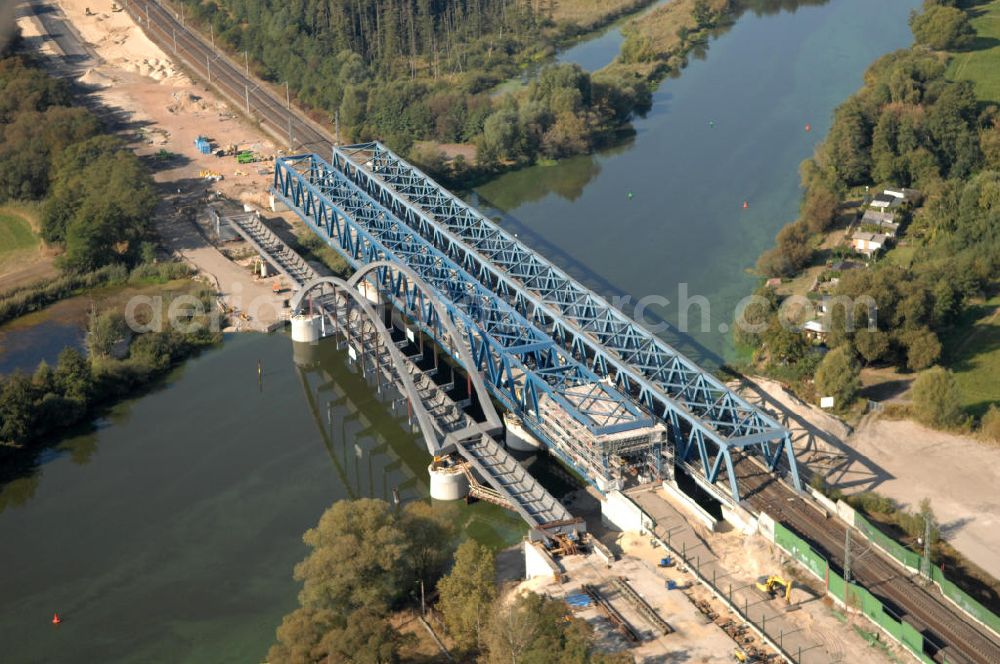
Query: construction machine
774, 584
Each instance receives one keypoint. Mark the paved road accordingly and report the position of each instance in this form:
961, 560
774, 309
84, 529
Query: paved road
75, 53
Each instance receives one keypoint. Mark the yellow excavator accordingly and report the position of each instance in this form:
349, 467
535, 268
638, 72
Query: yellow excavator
774, 584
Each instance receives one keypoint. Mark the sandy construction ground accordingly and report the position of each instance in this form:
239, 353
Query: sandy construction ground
905, 461
159, 108
118, 42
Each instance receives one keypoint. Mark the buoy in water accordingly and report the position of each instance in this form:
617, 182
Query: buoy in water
630, 195
56, 619
809, 127
711, 123
746, 204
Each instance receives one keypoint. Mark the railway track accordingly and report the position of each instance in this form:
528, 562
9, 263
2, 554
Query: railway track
253, 97
958, 638
955, 637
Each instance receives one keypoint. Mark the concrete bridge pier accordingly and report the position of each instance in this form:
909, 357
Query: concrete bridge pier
305, 328
448, 482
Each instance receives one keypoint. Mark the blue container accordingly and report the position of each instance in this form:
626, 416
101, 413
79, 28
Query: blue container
203, 145
671, 584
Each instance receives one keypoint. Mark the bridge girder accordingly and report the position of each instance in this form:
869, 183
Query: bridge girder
520, 362
696, 404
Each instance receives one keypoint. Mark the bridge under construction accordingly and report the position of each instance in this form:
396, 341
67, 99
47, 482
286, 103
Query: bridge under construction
575, 375
608, 397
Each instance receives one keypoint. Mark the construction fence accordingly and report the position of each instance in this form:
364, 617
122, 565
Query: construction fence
912, 560
850, 594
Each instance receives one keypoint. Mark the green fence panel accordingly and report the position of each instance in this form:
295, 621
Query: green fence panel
913, 639
968, 604
800, 550
836, 586
895, 549
870, 605
855, 596
894, 627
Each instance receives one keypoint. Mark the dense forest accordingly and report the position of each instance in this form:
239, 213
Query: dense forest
99, 196
908, 126
413, 70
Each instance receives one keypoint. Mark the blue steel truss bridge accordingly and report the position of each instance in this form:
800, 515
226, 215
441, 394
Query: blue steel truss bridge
607, 396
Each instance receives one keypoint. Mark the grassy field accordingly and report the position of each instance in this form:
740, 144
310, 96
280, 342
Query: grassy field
981, 62
19, 243
972, 351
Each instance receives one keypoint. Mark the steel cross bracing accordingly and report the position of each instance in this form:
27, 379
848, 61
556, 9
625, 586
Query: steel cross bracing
521, 363
700, 409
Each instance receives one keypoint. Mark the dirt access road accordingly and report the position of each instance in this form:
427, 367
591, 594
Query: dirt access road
159, 108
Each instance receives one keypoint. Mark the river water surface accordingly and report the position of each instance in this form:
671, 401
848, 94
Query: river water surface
666, 209
169, 533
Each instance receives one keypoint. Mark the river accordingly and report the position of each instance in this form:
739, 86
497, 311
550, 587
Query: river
168, 533
664, 212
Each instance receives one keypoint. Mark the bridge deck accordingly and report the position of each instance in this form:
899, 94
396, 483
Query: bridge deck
530, 499
272, 248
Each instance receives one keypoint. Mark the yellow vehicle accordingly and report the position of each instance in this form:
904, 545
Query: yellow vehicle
740, 656
774, 584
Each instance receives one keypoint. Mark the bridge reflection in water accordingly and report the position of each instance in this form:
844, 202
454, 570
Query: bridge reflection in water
372, 448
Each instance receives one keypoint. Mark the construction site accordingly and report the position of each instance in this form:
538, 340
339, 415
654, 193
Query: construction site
751, 566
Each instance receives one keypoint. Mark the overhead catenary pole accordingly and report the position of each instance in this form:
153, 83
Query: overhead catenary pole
208, 61
246, 61
211, 29
174, 31
288, 106
246, 89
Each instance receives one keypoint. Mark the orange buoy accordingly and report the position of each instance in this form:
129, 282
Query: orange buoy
746, 205
56, 619
809, 127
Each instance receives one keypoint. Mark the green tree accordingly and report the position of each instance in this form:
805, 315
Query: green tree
357, 558
838, 376
922, 348
872, 345
17, 409
784, 345
299, 636
937, 399
534, 629
430, 536
366, 638
819, 208
468, 593
942, 28
753, 320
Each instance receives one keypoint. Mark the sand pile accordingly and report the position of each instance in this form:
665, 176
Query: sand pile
185, 102
96, 78
119, 41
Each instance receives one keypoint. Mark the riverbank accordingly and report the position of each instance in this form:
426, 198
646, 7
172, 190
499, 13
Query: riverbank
892, 222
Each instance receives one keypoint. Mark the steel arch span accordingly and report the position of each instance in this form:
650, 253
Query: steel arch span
370, 316
413, 296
